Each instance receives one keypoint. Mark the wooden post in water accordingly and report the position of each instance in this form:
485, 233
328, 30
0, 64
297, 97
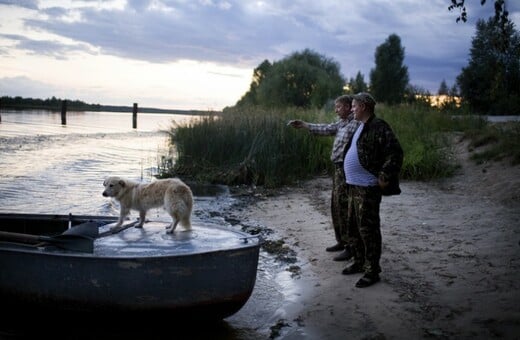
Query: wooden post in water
64, 112
134, 117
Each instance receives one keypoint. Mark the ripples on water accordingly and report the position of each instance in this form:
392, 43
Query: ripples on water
49, 168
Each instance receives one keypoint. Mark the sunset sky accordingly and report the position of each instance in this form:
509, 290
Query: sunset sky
200, 54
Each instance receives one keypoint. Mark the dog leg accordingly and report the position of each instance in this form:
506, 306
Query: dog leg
122, 215
171, 228
142, 217
186, 223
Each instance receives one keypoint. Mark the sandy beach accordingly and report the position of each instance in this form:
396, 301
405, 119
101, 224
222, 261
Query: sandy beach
450, 260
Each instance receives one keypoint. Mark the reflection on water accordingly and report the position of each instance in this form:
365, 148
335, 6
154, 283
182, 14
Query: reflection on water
42, 159
34, 122
49, 168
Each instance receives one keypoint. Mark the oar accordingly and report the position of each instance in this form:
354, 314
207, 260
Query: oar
89, 229
72, 242
113, 231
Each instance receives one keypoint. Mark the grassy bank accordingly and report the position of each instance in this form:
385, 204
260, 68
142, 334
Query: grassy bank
255, 146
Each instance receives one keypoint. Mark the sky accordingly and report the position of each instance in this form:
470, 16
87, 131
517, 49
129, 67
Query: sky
200, 54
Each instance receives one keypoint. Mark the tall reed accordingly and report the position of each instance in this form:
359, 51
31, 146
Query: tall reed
250, 146
255, 146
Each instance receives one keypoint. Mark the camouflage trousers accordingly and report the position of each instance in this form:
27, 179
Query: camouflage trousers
364, 232
339, 203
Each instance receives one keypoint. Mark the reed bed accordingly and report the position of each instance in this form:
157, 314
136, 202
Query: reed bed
255, 146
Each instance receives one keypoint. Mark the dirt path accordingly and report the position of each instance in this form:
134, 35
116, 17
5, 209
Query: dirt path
451, 260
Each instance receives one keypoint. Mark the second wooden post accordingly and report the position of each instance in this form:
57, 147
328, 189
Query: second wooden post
64, 112
134, 117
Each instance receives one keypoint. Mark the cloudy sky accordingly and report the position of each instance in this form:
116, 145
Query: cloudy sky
200, 54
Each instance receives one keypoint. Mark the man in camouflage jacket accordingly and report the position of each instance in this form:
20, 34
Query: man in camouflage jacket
372, 163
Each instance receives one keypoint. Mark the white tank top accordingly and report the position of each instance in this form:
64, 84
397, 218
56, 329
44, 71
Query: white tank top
355, 174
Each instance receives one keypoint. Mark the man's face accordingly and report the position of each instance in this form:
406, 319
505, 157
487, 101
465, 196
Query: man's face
342, 110
357, 108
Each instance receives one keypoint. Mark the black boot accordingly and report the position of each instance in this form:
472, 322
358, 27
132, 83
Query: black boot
345, 255
336, 247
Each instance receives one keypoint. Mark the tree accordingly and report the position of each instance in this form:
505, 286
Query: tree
303, 79
259, 73
414, 94
453, 91
490, 83
501, 14
356, 85
501, 17
443, 88
388, 80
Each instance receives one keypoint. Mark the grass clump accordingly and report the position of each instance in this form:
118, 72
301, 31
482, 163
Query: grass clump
500, 141
252, 146
421, 132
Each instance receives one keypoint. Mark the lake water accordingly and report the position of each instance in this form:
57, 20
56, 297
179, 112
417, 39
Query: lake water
46, 167
40, 158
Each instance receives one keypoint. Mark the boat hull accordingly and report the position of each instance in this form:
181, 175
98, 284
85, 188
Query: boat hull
208, 284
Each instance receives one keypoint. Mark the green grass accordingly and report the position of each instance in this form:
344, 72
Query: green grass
255, 146
495, 142
425, 135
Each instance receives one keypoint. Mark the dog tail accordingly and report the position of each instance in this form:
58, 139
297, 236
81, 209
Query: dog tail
179, 200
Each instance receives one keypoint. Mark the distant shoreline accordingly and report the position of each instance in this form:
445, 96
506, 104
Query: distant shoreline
56, 104
109, 108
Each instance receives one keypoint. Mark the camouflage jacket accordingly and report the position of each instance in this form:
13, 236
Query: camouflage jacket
380, 153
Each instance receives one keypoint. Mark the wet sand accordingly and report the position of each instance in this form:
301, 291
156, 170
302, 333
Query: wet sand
450, 260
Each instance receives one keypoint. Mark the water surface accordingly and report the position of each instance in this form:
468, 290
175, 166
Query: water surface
46, 167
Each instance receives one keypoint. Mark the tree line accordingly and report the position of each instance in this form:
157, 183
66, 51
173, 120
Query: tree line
489, 84
52, 103
251, 144
55, 104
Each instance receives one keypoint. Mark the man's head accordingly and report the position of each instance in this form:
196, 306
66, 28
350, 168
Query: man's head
363, 105
365, 98
342, 105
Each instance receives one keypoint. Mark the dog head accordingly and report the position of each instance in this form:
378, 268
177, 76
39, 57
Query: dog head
113, 186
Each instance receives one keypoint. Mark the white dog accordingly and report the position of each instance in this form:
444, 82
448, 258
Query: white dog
172, 194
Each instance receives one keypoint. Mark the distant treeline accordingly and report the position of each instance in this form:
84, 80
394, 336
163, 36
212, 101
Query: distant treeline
55, 104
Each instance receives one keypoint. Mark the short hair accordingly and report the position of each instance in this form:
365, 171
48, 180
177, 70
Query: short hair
365, 98
344, 99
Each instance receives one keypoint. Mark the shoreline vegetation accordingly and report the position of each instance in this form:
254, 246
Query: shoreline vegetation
55, 104
253, 145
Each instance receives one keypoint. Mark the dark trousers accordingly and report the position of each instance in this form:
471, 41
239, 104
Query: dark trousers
339, 202
365, 226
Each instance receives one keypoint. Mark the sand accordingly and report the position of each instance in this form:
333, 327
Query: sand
450, 259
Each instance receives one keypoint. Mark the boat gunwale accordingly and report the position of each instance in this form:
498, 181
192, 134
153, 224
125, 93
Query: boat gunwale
249, 240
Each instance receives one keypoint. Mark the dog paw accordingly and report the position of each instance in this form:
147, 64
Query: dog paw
117, 226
